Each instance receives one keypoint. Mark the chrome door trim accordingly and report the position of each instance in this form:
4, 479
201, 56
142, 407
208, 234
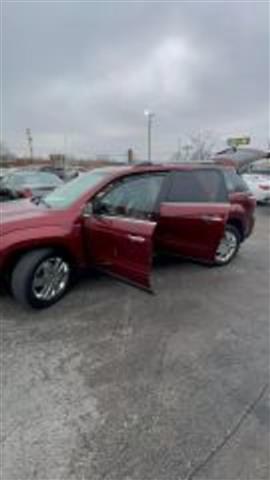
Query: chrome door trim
127, 219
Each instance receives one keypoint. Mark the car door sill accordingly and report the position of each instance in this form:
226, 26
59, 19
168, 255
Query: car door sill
125, 280
199, 260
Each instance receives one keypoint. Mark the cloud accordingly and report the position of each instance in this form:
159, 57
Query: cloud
87, 71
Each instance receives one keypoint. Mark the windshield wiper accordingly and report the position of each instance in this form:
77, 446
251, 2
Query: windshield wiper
38, 200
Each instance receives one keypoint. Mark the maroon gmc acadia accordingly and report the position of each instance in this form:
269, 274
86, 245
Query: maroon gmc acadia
115, 219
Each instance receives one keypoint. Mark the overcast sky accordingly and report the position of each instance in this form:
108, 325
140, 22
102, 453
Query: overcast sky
80, 74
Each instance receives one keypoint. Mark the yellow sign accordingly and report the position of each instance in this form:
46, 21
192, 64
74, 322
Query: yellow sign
236, 141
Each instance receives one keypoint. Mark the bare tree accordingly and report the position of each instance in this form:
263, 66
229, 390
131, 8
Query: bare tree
199, 147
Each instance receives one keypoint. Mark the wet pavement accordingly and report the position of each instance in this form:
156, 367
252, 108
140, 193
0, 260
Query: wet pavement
114, 383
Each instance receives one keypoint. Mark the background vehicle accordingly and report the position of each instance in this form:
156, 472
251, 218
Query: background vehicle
259, 185
66, 174
3, 172
27, 183
116, 219
254, 167
242, 159
261, 167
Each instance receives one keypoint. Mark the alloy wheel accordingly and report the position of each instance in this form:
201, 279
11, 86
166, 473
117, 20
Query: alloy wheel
50, 279
227, 247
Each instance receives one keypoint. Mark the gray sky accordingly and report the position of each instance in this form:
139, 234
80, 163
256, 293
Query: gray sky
80, 74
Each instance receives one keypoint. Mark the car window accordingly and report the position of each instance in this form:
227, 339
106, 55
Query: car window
7, 182
197, 186
234, 182
133, 197
36, 179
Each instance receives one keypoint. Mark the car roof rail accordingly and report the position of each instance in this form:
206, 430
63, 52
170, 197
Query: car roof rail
142, 164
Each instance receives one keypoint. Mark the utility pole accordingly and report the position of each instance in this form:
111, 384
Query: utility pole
179, 150
130, 156
30, 143
149, 116
65, 152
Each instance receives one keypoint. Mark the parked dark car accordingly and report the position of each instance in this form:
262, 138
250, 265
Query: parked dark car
27, 183
66, 174
116, 219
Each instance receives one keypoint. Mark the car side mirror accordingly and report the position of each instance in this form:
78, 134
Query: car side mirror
98, 206
88, 210
95, 207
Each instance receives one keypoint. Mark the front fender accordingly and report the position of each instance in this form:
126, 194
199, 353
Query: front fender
32, 238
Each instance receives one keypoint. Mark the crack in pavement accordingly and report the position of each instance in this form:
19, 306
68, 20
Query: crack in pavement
230, 433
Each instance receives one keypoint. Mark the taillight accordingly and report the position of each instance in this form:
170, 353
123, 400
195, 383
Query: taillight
264, 187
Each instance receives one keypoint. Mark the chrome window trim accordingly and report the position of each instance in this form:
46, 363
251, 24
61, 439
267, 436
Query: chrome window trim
127, 219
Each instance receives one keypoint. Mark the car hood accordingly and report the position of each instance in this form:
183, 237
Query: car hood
22, 214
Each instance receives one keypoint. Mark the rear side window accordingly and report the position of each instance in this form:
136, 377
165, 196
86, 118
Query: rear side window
197, 186
234, 182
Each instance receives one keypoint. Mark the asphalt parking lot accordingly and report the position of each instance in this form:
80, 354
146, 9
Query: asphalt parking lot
114, 383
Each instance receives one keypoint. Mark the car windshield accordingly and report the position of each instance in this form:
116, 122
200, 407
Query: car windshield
64, 196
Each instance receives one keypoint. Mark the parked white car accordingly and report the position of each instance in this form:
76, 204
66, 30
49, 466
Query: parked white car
259, 185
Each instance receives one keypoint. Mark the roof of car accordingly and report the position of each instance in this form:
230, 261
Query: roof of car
149, 167
29, 171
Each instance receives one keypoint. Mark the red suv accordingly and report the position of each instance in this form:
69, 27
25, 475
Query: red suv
115, 219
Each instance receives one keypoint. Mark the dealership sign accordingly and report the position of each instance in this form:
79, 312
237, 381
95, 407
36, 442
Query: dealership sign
237, 141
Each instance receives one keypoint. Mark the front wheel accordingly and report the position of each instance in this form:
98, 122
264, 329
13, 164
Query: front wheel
228, 246
40, 278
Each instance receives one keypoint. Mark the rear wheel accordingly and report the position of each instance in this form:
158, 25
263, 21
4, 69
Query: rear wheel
40, 278
228, 246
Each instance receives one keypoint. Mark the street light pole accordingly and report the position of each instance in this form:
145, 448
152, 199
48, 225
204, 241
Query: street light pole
149, 116
30, 143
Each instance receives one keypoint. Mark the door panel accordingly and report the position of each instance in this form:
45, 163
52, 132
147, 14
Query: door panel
191, 229
122, 246
119, 233
99, 240
133, 246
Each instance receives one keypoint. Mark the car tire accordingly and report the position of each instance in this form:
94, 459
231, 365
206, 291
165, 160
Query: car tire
228, 246
40, 278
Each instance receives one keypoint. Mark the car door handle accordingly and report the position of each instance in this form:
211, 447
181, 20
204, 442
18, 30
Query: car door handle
211, 218
136, 238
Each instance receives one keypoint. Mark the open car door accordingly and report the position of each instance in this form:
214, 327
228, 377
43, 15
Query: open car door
121, 247
119, 233
192, 230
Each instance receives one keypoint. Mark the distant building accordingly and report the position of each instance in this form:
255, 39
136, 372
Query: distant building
57, 160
